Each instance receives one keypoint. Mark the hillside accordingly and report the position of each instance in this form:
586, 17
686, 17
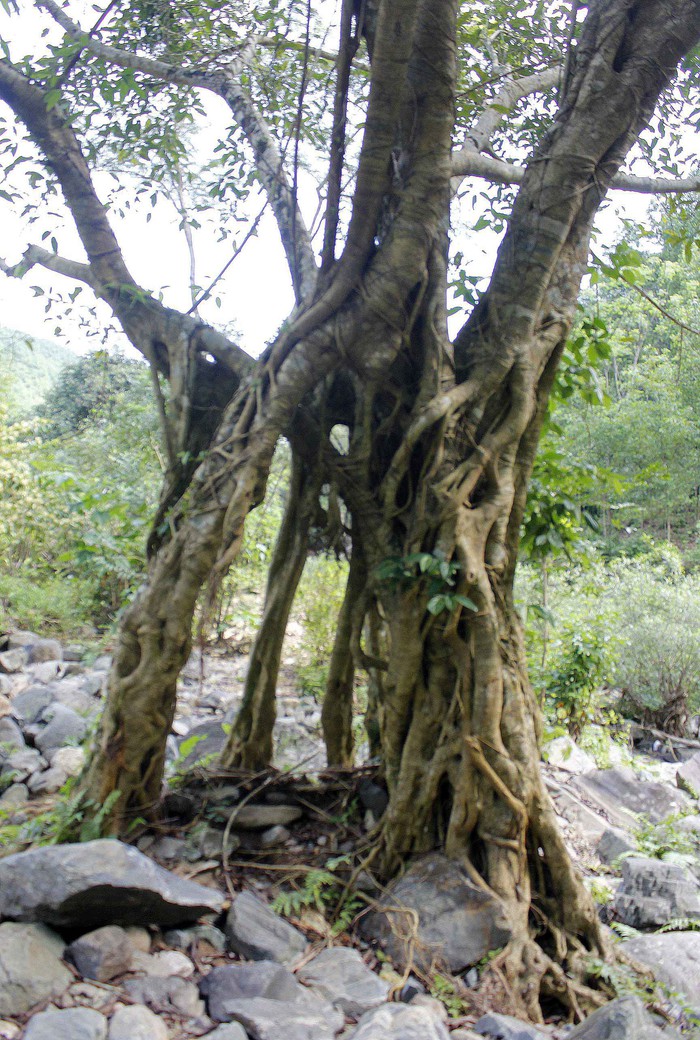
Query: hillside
30, 366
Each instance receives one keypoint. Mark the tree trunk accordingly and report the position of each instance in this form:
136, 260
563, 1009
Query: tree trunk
249, 745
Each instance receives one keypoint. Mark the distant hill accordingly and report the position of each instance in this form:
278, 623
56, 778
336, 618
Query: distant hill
29, 366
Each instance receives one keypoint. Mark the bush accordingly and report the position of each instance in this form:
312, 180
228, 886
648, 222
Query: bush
582, 661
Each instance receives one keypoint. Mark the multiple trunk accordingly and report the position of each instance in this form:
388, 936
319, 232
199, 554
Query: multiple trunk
442, 437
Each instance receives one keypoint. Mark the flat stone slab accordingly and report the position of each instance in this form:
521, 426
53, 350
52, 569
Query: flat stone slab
622, 796
434, 915
97, 883
674, 958
342, 977
653, 893
399, 1022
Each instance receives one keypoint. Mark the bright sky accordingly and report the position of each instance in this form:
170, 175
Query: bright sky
255, 294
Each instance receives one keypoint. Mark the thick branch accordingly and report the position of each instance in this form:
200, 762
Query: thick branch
35, 255
226, 84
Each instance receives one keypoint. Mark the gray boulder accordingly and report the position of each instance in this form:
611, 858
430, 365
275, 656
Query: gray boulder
613, 844
262, 997
21, 763
399, 1022
258, 933
28, 705
102, 954
96, 883
10, 735
342, 977
622, 796
136, 1023
674, 958
457, 923
505, 1027
653, 892
64, 727
44, 650
622, 1019
166, 993
228, 1031
31, 969
688, 776
78, 1023
201, 744
12, 661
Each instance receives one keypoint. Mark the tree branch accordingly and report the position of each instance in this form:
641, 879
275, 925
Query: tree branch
36, 255
226, 84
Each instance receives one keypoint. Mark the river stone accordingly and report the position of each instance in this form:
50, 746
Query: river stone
264, 1017
70, 759
622, 796
9, 1030
44, 650
653, 892
505, 1027
29, 704
15, 796
674, 958
95, 883
31, 969
165, 994
102, 954
688, 776
399, 1022
458, 923
136, 1023
342, 977
261, 817
64, 727
210, 740
258, 933
622, 1019
613, 844
245, 981
228, 1031
565, 754
10, 734
21, 764
21, 637
5, 705
78, 1023
12, 661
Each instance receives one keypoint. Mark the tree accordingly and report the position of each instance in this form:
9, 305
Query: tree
439, 432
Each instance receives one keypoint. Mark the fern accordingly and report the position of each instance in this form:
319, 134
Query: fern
680, 924
624, 931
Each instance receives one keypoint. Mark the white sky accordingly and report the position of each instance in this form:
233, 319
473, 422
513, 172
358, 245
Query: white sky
256, 292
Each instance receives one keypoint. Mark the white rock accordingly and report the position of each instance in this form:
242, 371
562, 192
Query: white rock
136, 1023
564, 753
163, 963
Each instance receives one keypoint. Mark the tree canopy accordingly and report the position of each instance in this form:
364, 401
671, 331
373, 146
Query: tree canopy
412, 443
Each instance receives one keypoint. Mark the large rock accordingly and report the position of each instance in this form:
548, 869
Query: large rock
12, 661
28, 705
136, 1023
688, 776
622, 796
505, 1027
262, 997
45, 650
96, 883
674, 958
653, 892
342, 977
613, 844
622, 1019
78, 1023
565, 754
399, 1022
64, 726
102, 954
31, 968
258, 933
166, 994
434, 915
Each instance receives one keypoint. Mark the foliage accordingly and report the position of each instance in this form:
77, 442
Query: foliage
30, 366
323, 891
441, 575
581, 663
665, 840
320, 596
445, 990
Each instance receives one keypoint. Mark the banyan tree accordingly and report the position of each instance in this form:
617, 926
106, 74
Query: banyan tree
421, 435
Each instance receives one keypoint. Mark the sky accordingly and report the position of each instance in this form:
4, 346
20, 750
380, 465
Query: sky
256, 294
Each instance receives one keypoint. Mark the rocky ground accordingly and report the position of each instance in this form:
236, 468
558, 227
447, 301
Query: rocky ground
178, 935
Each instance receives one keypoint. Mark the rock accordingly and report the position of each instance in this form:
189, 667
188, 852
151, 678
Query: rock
565, 754
79, 1023
622, 796
399, 1022
47, 782
201, 744
139, 938
373, 797
46, 671
255, 931
458, 923
168, 848
70, 759
102, 954
622, 1019
8, 1030
102, 664
64, 727
260, 817
342, 977
505, 1027
688, 776
276, 835
20, 764
10, 734
89, 994
22, 638
674, 958
96, 883
5, 707
187, 938
136, 1023
205, 842
44, 650
227, 1031
28, 705
71, 694
613, 844
653, 892
262, 997
31, 968
15, 796
164, 963
166, 993
12, 661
